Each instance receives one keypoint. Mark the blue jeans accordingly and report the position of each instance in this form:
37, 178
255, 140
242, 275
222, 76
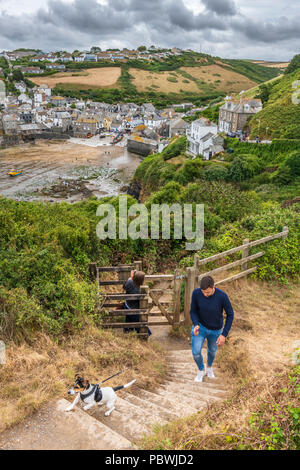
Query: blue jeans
197, 343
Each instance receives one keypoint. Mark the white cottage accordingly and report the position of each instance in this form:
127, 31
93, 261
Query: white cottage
203, 138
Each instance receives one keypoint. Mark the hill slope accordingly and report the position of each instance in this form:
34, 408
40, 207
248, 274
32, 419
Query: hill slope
280, 117
192, 77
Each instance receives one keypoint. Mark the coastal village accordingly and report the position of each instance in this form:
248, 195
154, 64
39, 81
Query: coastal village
33, 113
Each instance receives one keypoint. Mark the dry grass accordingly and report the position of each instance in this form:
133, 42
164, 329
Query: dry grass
97, 77
257, 351
212, 76
275, 65
223, 79
143, 80
37, 373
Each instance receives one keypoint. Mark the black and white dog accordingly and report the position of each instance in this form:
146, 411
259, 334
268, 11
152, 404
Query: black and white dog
91, 394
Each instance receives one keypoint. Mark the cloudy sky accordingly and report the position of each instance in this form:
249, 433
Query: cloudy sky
254, 29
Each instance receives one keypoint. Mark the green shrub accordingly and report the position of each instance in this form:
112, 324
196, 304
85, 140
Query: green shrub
216, 173
175, 148
244, 167
293, 163
191, 170
282, 176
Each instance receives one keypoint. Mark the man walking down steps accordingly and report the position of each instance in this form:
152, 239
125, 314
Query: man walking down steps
206, 313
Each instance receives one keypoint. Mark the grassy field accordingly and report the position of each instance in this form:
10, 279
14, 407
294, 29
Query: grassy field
166, 82
90, 78
273, 65
222, 79
191, 79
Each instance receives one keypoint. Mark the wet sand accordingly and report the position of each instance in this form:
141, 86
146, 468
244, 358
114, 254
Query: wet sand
103, 169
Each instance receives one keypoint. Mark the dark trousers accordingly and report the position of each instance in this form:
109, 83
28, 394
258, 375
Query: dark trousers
133, 319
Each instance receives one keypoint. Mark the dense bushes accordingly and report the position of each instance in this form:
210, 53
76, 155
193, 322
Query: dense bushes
175, 148
45, 250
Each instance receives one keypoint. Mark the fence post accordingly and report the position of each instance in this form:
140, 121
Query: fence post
189, 287
245, 253
144, 316
124, 275
197, 273
137, 265
177, 282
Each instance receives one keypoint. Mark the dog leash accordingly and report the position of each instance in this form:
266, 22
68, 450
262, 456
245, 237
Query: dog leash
115, 375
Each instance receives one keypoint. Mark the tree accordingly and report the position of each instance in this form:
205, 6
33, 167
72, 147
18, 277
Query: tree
294, 64
142, 48
17, 75
264, 92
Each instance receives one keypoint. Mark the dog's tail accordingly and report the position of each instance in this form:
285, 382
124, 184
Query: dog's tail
115, 389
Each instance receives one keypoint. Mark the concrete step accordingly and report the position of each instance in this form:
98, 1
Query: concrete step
189, 365
167, 402
189, 378
148, 405
52, 428
195, 389
198, 386
128, 419
189, 404
193, 399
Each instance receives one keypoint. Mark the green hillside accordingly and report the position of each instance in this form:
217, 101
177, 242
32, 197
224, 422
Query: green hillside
280, 117
206, 88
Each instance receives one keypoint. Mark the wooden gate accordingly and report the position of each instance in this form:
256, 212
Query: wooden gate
156, 287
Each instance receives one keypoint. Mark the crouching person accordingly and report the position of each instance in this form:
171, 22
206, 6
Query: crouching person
133, 286
207, 306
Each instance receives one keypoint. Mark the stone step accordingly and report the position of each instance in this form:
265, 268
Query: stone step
193, 399
189, 405
52, 428
189, 378
195, 389
148, 405
128, 419
167, 402
189, 365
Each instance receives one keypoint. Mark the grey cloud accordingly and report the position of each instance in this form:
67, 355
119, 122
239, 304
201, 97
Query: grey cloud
129, 23
221, 7
268, 32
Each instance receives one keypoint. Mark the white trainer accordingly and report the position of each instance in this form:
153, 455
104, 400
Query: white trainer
210, 373
200, 375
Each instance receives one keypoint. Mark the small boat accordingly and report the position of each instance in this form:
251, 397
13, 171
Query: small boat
15, 172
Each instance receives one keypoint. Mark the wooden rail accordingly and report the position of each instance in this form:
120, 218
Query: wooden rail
193, 275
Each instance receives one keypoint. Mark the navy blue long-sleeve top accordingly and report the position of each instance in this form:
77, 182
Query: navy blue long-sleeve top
208, 311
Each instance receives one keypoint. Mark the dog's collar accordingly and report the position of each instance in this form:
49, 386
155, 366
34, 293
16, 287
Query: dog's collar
84, 396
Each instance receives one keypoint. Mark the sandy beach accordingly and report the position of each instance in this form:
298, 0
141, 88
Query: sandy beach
79, 166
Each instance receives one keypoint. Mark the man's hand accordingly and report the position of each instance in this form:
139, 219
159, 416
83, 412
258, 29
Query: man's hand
196, 330
221, 340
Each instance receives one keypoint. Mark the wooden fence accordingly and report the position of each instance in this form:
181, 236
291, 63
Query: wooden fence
149, 298
159, 285
194, 274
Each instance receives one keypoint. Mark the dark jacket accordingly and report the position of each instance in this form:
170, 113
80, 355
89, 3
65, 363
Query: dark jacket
130, 288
